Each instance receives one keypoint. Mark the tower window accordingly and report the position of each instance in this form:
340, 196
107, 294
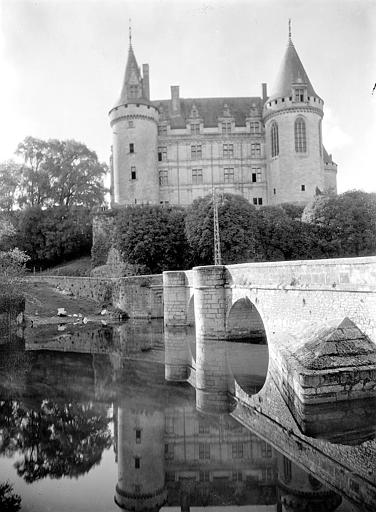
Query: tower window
254, 127
131, 147
303, 188
163, 176
197, 178
299, 94
133, 173
138, 436
228, 175
274, 139
196, 151
137, 462
195, 128
226, 127
257, 201
274, 191
130, 124
266, 450
300, 136
228, 150
133, 91
256, 150
162, 154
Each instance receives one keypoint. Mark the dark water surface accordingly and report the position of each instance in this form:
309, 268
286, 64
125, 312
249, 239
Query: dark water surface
88, 423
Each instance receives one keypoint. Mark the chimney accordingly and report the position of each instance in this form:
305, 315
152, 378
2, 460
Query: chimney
145, 81
264, 92
175, 100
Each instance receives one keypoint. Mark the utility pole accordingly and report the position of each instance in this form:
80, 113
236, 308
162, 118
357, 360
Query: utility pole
217, 240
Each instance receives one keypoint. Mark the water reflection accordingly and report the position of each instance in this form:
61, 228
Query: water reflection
63, 412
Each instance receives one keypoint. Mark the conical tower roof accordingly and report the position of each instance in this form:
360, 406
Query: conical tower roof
132, 78
291, 72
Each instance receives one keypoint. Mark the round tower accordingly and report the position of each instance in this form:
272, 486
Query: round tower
292, 117
134, 125
299, 491
140, 452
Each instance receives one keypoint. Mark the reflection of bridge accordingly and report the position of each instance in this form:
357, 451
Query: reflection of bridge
281, 299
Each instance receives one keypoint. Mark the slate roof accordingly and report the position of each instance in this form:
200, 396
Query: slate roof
209, 110
337, 347
290, 72
326, 157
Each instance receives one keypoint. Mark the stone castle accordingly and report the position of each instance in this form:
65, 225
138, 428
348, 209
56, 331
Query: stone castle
268, 149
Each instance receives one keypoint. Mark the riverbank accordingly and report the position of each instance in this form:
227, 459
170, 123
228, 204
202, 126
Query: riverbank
43, 301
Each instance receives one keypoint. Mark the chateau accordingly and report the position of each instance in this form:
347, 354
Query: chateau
268, 149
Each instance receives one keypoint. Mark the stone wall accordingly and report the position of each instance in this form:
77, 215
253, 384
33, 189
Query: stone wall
138, 296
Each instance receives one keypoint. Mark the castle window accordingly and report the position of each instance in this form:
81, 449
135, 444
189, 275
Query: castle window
133, 91
203, 428
257, 201
260, 201
197, 177
130, 124
169, 451
162, 154
162, 129
137, 462
204, 451
267, 474
204, 476
256, 175
195, 128
237, 450
256, 150
163, 176
274, 139
226, 127
133, 173
299, 94
169, 422
254, 127
303, 188
131, 147
274, 191
228, 174
300, 136
287, 470
228, 150
196, 151
138, 436
266, 450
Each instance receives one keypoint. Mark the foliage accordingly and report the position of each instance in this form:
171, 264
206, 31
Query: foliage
237, 225
152, 236
54, 439
55, 234
10, 178
100, 250
349, 220
56, 173
9, 501
294, 211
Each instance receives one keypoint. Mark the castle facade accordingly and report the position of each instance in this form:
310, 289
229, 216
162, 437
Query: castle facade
268, 149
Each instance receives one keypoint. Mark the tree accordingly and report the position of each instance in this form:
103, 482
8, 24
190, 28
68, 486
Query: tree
237, 226
59, 173
152, 237
9, 501
10, 179
349, 220
53, 235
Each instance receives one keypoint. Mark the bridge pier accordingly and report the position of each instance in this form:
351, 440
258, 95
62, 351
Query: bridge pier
210, 317
175, 318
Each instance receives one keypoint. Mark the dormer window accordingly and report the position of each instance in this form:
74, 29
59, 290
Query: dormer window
298, 94
226, 127
195, 128
133, 91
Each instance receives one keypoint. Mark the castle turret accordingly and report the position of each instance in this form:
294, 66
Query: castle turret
134, 121
292, 116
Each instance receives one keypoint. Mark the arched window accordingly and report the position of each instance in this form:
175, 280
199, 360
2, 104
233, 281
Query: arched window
300, 136
274, 139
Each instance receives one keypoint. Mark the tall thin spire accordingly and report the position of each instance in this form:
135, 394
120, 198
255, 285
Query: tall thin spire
130, 32
289, 29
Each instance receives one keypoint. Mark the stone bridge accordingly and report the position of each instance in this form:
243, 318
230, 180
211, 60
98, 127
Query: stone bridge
280, 302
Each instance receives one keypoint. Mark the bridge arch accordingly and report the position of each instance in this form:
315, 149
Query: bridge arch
247, 350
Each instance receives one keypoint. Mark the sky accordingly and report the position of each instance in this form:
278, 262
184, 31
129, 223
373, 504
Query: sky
63, 63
